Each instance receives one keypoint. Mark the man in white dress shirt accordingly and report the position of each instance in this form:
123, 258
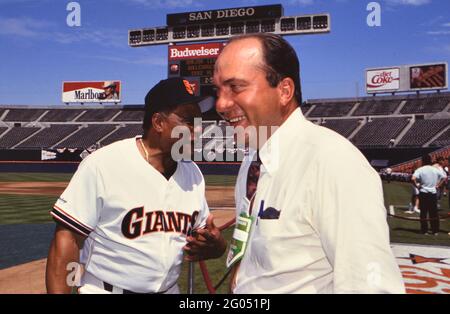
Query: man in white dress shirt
319, 221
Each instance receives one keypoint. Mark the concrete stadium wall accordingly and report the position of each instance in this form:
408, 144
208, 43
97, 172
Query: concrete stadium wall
34, 166
20, 154
395, 155
29, 161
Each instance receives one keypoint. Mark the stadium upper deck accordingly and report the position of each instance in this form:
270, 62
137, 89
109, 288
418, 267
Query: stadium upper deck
369, 122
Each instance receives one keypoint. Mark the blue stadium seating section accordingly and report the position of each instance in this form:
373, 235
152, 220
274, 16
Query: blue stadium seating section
123, 133
15, 135
379, 132
98, 115
305, 107
443, 140
82, 126
2, 130
425, 105
331, 109
130, 115
345, 127
376, 107
422, 131
49, 136
23, 115
86, 137
61, 115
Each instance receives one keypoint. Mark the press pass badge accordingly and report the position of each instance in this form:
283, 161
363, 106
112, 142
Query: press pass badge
240, 238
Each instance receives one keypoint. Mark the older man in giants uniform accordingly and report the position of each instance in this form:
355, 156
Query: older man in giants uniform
131, 207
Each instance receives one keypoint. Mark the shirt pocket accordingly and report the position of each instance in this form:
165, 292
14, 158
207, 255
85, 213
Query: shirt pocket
269, 229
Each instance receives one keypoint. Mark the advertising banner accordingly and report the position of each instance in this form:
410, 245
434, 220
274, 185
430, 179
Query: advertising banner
407, 78
433, 76
91, 92
382, 80
184, 52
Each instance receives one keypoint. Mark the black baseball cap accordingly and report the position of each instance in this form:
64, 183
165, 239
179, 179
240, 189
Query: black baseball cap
173, 92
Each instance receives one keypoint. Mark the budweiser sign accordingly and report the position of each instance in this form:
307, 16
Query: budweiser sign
383, 80
182, 52
95, 92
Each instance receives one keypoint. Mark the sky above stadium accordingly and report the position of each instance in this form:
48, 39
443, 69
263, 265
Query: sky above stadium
39, 50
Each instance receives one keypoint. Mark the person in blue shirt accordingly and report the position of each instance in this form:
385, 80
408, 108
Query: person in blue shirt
428, 180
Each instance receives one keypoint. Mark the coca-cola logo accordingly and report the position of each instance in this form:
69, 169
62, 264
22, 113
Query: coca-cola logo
382, 79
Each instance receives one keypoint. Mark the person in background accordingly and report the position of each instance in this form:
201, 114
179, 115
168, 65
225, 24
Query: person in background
414, 204
427, 179
439, 163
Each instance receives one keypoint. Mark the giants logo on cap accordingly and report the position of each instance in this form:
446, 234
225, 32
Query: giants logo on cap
188, 86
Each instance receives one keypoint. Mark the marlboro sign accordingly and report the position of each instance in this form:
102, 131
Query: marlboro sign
91, 92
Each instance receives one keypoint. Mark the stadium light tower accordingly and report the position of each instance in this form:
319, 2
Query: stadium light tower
222, 24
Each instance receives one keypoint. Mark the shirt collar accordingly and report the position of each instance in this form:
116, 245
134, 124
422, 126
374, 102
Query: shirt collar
272, 151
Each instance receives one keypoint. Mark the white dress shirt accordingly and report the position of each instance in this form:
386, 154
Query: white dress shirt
331, 235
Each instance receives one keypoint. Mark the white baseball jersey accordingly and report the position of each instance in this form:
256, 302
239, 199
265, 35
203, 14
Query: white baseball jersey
135, 219
320, 222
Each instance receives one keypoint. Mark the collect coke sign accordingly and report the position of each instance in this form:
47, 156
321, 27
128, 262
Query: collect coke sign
383, 80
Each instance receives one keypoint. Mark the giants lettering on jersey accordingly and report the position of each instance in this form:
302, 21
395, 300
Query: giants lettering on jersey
137, 222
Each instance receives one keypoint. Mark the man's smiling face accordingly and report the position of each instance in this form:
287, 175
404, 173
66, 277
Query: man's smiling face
244, 96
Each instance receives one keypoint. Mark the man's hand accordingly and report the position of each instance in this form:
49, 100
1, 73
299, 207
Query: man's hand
205, 243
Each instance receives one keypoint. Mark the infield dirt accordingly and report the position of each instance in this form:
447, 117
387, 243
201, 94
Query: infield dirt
30, 277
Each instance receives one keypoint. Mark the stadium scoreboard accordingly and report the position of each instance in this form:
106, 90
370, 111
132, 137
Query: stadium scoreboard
201, 67
225, 15
195, 62
195, 39
225, 23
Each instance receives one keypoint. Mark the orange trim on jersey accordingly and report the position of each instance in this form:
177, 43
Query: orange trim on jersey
69, 224
71, 217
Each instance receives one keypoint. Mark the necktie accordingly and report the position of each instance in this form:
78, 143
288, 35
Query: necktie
252, 179
252, 183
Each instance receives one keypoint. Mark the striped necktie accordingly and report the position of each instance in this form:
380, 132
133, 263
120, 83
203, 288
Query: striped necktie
252, 179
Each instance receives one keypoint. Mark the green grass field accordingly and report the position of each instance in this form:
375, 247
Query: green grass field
21, 209
402, 231
16, 209
34, 177
216, 270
